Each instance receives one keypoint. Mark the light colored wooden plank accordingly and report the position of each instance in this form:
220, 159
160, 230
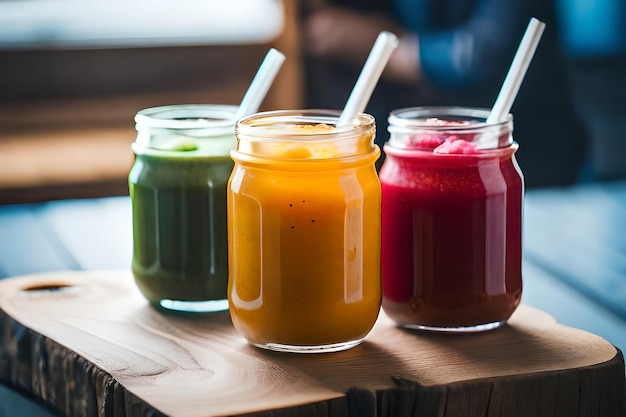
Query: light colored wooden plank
65, 156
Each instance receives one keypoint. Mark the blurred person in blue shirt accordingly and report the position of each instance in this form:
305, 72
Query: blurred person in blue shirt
593, 35
451, 52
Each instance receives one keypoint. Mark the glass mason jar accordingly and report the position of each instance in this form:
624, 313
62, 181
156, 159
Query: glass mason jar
452, 196
304, 231
178, 192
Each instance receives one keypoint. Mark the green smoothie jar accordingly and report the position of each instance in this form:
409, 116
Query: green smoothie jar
178, 188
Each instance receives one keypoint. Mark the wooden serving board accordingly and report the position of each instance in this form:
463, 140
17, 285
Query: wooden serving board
88, 344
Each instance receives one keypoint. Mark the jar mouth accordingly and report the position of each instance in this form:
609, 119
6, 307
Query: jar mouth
284, 125
190, 130
422, 127
305, 135
476, 118
218, 117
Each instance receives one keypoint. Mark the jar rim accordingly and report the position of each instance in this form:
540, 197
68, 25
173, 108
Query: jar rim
415, 117
187, 117
429, 128
264, 124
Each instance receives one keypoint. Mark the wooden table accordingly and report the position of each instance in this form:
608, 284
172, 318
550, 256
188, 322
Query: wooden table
89, 344
94, 347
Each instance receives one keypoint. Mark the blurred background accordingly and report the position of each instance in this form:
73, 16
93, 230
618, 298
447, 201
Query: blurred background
74, 73
457, 52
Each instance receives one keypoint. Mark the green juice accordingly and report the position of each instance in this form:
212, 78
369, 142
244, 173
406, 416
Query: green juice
177, 187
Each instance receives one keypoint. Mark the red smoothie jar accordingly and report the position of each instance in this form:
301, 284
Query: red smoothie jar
452, 196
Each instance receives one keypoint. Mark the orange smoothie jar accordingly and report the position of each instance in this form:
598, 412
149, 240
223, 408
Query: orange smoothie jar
304, 231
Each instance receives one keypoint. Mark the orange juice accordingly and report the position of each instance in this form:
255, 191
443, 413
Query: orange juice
304, 231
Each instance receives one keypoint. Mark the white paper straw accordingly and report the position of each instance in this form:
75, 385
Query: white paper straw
261, 83
373, 68
517, 71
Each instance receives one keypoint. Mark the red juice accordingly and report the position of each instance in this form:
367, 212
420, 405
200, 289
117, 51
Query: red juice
451, 234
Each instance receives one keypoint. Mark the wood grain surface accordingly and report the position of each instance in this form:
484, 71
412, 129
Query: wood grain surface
88, 344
